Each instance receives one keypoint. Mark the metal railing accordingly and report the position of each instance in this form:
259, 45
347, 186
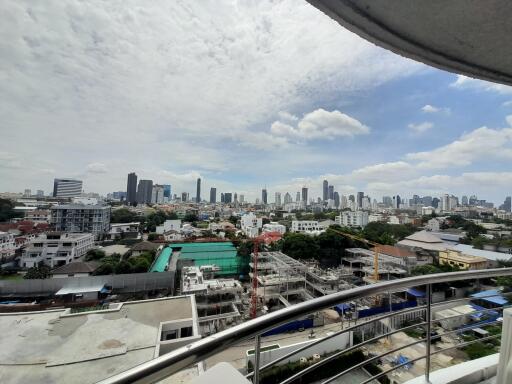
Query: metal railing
170, 363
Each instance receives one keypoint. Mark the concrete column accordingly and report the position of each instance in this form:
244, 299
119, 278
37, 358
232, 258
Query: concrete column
505, 362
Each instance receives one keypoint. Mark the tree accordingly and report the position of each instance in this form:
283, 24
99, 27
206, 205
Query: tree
7, 211
123, 267
426, 269
123, 215
94, 254
300, 246
41, 272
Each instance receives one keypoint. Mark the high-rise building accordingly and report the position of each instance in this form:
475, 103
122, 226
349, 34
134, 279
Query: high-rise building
228, 198
287, 198
131, 189
331, 192
435, 202
67, 188
427, 201
305, 195
336, 199
157, 194
297, 197
167, 192
198, 190
213, 195
360, 196
325, 190
222, 198
277, 199
40, 193
242, 199
27, 193
144, 191
184, 196
264, 199
507, 204
352, 198
396, 201
465, 200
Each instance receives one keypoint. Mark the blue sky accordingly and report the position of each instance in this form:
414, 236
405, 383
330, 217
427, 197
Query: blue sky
241, 94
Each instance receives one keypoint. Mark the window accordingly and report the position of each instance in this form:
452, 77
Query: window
186, 332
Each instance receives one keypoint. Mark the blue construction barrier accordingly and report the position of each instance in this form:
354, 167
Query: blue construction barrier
385, 308
290, 327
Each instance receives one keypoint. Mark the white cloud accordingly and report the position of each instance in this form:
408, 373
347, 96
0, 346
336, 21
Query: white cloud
431, 109
507, 103
480, 143
283, 115
97, 168
421, 127
509, 120
321, 124
180, 81
464, 82
384, 171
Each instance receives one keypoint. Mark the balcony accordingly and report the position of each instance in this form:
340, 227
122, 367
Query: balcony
409, 360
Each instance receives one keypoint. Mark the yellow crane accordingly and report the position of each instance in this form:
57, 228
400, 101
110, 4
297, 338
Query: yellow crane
376, 249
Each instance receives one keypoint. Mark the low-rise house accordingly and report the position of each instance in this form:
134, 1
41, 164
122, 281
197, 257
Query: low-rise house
7, 246
76, 269
274, 227
124, 231
167, 226
143, 247
306, 226
460, 260
56, 249
38, 215
352, 219
251, 224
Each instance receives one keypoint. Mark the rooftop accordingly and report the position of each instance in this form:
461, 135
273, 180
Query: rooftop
55, 346
77, 267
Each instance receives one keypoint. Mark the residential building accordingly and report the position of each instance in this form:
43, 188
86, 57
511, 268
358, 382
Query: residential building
287, 198
81, 218
460, 260
38, 215
336, 200
297, 197
352, 219
274, 227
55, 249
433, 225
325, 190
331, 192
39, 193
306, 226
213, 195
7, 246
168, 225
198, 190
144, 191
251, 224
67, 188
131, 189
143, 247
184, 197
124, 231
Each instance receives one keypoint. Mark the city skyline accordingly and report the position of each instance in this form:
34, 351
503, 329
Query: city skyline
361, 117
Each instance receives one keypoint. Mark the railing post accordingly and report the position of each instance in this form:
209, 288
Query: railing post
257, 344
429, 332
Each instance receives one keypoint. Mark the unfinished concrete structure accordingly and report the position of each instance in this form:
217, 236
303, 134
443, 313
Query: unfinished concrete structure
218, 301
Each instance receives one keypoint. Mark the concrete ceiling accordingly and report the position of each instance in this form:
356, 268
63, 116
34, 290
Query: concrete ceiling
470, 37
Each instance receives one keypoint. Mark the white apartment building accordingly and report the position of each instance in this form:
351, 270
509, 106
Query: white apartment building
167, 226
306, 226
157, 194
274, 227
7, 245
56, 249
352, 219
38, 215
251, 224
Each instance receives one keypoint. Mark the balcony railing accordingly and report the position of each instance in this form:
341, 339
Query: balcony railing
168, 364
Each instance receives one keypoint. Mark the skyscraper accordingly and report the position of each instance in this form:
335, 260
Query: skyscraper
360, 196
131, 189
228, 198
277, 199
167, 192
325, 190
213, 195
305, 195
507, 204
465, 200
336, 199
242, 199
264, 196
67, 188
184, 196
198, 190
222, 198
297, 197
144, 191
331, 192
287, 198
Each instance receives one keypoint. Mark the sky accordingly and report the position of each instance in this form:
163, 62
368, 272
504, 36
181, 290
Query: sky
245, 95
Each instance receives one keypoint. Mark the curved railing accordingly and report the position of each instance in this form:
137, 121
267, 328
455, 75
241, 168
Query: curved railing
170, 363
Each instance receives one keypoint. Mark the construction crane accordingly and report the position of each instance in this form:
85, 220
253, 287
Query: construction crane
254, 296
376, 249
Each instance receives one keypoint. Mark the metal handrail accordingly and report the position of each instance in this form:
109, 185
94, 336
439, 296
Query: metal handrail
170, 363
